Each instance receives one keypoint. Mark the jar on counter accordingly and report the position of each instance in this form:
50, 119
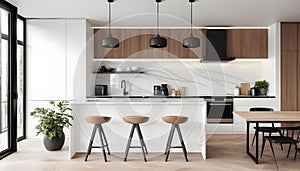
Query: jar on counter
236, 91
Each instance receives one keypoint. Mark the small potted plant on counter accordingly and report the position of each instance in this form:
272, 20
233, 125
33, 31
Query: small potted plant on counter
51, 124
263, 87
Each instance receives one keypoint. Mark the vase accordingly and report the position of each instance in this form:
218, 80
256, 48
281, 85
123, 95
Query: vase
263, 91
56, 143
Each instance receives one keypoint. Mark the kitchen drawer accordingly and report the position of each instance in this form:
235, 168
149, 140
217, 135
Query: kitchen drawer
215, 128
268, 102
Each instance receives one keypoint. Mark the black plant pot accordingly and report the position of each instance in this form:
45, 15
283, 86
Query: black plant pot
56, 143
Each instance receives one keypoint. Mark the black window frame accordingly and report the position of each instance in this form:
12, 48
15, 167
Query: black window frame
12, 80
24, 76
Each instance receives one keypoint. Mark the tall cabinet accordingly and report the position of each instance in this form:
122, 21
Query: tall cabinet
56, 63
290, 66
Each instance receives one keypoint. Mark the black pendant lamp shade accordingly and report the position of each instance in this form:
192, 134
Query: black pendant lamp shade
158, 41
110, 41
191, 42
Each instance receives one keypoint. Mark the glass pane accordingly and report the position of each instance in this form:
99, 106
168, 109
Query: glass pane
4, 22
20, 85
20, 28
3, 96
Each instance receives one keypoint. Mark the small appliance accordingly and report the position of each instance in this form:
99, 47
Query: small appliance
157, 90
101, 90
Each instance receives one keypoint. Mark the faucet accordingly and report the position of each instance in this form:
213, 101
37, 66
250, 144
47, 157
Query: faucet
123, 85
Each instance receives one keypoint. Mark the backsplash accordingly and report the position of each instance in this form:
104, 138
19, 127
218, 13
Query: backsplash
197, 78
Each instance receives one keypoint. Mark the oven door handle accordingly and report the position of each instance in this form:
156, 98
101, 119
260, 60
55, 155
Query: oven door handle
219, 104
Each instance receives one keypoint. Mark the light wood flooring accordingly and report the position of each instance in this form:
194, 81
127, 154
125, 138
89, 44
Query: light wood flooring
224, 152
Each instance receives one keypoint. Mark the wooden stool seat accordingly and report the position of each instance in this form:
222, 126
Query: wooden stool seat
135, 119
175, 119
97, 119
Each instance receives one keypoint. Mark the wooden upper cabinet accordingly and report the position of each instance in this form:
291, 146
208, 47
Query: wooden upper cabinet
298, 74
289, 36
298, 37
289, 80
247, 43
135, 43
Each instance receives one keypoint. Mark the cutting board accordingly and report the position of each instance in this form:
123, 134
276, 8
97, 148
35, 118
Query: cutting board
245, 89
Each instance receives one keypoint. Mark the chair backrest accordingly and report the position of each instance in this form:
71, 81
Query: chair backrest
293, 132
261, 109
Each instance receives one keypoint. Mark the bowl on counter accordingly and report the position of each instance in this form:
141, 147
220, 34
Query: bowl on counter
134, 68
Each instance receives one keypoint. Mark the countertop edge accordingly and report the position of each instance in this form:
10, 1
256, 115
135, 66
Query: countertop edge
170, 97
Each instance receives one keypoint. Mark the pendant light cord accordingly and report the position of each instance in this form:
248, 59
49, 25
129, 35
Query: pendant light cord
109, 18
191, 18
157, 18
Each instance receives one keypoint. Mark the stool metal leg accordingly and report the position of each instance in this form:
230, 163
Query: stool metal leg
105, 140
170, 142
182, 142
102, 143
142, 139
91, 143
169, 139
129, 141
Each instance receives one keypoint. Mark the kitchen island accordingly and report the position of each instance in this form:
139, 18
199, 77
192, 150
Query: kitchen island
155, 131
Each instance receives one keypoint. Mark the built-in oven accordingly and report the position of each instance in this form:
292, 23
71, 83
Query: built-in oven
219, 110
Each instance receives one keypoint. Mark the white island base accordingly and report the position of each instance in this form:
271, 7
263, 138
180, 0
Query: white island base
155, 131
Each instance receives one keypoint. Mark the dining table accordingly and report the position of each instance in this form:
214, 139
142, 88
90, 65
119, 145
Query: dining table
258, 117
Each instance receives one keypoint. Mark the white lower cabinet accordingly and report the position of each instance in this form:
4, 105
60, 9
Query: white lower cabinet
239, 124
244, 104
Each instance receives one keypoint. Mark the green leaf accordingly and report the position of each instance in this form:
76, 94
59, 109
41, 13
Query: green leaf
52, 121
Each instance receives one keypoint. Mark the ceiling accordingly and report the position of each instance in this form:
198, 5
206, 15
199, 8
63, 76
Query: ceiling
174, 13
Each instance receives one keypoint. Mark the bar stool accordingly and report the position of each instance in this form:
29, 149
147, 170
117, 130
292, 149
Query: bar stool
135, 121
175, 121
98, 121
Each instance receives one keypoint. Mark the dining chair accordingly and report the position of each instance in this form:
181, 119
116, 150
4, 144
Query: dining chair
297, 151
283, 139
265, 129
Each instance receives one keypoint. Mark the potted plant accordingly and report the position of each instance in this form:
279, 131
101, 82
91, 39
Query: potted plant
51, 124
263, 87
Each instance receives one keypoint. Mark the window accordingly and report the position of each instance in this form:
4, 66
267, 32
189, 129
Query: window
21, 111
8, 79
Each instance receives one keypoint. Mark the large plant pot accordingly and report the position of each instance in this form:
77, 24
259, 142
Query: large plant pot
263, 91
56, 143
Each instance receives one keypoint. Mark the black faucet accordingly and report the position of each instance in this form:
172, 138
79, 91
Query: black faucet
123, 85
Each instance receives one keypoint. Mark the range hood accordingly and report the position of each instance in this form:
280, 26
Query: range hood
216, 46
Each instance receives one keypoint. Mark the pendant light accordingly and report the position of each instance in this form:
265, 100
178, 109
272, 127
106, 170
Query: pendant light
191, 42
110, 41
157, 41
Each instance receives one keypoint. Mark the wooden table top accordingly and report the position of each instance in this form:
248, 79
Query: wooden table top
270, 116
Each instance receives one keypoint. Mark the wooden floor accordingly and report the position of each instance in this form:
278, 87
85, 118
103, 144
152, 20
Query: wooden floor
224, 152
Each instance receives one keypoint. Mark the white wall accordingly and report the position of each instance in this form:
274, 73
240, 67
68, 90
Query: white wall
198, 78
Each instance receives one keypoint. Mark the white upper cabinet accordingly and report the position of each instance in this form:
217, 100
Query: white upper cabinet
56, 59
46, 59
76, 59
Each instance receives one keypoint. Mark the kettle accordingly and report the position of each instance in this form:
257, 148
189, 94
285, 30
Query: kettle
254, 91
164, 88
